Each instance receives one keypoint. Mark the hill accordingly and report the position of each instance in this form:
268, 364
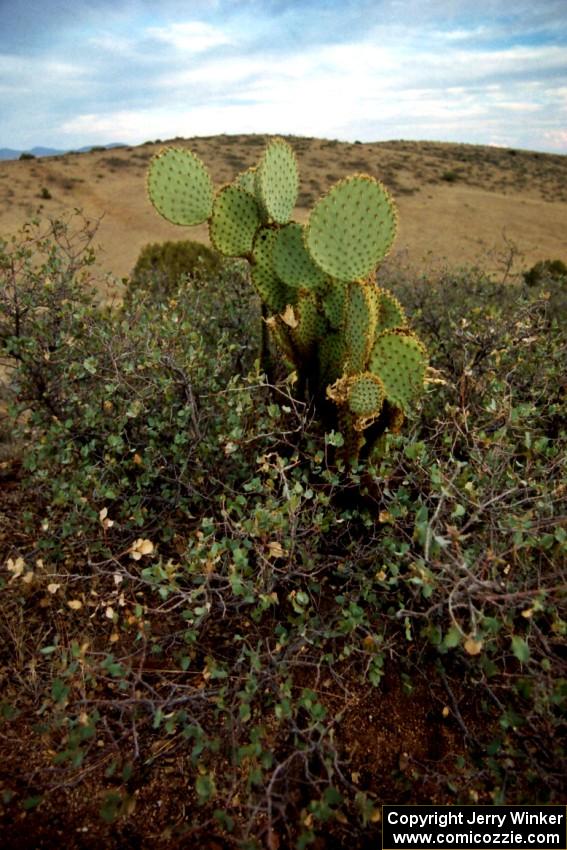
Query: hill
458, 204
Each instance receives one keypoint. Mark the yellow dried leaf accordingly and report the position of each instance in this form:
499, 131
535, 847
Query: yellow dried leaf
141, 547
276, 550
289, 317
434, 376
16, 567
53, 588
472, 646
75, 604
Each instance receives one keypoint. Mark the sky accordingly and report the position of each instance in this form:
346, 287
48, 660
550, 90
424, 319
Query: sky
87, 72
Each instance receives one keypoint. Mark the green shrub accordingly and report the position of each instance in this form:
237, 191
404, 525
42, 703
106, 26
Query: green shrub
214, 585
546, 271
45, 272
45, 194
130, 403
162, 266
26, 155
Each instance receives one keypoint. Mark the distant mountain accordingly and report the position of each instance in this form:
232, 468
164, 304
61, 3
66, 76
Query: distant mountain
10, 153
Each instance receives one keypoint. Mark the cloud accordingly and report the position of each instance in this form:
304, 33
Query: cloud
189, 37
359, 69
556, 139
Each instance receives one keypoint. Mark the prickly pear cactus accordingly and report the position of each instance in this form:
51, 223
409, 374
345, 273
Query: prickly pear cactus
351, 228
180, 187
347, 338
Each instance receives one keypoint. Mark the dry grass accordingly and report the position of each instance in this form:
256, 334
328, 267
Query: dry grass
458, 203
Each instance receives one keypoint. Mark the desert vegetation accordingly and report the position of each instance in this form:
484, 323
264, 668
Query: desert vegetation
219, 629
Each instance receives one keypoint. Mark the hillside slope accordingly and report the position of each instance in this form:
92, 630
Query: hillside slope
458, 203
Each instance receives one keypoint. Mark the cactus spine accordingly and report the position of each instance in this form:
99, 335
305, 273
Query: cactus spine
348, 339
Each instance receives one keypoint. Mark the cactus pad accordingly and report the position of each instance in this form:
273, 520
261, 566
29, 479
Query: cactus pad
292, 263
311, 325
391, 313
360, 324
366, 396
399, 359
234, 222
246, 180
269, 287
179, 187
277, 181
333, 302
332, 354
363, 395
351, 228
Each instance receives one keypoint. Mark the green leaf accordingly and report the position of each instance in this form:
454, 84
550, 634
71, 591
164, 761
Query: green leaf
452, 638
32, 802
205, 787
59, 690
520, 649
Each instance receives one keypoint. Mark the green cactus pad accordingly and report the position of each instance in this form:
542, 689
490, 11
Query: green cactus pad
333, 302
399, 359
363, 395
277, 181
234, 222
332, 354
311, 324
351, 228
292, 263
246, 180
275, 294
366, 395
179, 187
391, 313
361, 307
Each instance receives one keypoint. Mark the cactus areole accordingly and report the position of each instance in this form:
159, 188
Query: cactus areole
347, 338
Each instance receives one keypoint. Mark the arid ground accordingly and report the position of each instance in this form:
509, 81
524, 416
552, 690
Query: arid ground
459, 204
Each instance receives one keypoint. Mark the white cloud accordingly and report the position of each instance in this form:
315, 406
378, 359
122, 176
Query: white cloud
409, 76
190, 36
556, 139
